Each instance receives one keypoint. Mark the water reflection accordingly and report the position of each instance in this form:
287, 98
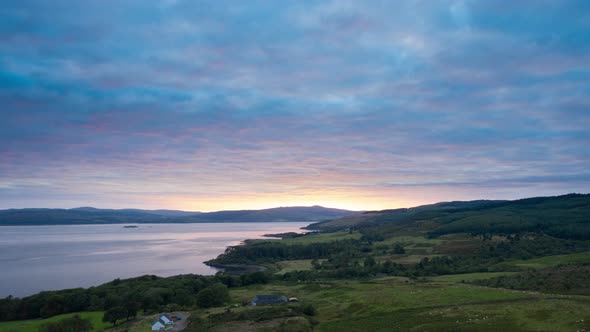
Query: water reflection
36, 258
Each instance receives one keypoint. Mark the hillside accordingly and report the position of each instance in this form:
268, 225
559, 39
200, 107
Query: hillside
566, 216
397, 214
301, 213
89, 215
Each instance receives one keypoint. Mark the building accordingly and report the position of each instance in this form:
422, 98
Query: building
161, 322
268, 299
158, 325
166, 319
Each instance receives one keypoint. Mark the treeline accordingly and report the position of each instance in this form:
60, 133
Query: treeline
565, 217
564, 279
486, 258
272, 251
148, 293
514, 225
258, 252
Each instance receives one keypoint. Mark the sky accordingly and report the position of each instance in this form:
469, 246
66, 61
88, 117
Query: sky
216, 105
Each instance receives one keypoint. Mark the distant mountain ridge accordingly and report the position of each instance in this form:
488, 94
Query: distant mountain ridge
94, 216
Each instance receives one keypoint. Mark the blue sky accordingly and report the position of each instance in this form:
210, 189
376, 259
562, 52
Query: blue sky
211, 105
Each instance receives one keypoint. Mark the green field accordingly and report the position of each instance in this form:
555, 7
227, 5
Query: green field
32, 325
393, 303
314, 238
294, 265
549, 261
469, 276
523, 315
322, 237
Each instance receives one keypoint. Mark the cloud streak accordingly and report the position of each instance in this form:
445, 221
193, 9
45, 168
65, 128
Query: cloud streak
209, 105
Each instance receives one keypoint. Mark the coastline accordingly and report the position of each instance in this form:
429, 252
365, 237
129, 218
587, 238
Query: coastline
41, 258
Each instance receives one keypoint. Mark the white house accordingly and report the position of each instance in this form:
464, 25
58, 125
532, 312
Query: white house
161, 322
158, 325
166, 319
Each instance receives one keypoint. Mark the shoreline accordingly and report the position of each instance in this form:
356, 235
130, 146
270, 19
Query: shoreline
251, 231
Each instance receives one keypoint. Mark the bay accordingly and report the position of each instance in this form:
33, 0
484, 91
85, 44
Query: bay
37, 258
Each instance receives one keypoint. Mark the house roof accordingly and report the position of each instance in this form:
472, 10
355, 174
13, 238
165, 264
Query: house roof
269, 299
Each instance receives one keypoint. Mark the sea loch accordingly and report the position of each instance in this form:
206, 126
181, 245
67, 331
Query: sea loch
36, 258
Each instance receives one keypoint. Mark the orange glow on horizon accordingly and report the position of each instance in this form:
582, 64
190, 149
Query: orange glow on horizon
361, 202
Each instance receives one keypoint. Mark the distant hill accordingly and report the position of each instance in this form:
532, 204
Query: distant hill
397, 214
298, 213
90, 215
566, 216
164, 213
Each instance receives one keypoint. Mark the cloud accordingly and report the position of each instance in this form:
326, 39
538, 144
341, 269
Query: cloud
211, 105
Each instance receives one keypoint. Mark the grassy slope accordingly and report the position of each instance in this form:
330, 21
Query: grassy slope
548, 261
392, 303
314, 238
466, 277
564, 216
32, 325
294, 265
440, 303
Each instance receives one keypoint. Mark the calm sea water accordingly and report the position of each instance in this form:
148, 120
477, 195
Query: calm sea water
36, 258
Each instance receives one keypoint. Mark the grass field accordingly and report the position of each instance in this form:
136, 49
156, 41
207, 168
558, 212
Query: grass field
548, 261
469, 276
294, 265
518, 315
322, 237
32, 325
393, 303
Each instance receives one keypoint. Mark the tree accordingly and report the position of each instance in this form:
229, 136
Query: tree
114, 314
54, 305
77, 300
182, 298
131, 307
213, 296
113, 300
370, 261
398, 249
309, 310
316, 264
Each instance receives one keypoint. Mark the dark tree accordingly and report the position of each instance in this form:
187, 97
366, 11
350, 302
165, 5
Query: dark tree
370, 261
114, 314
213, 296
309, 310
131, 307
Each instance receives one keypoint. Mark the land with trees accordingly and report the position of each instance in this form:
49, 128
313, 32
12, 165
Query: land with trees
483, 265
94, 216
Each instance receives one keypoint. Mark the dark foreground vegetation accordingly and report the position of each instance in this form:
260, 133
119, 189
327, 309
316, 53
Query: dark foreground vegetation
128, 296
463, 266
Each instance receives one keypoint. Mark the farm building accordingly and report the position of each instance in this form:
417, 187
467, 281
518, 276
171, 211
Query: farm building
166, 319
268, 299
158, 325
161, 322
